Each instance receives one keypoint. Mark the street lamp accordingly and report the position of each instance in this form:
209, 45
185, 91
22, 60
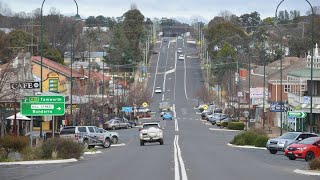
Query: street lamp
246, 115
41, 47
311, 70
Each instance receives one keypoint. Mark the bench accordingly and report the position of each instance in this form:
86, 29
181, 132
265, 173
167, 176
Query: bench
269, 130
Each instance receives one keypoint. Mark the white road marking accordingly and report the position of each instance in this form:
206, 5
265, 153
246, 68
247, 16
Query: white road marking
208, 124
168, 90
162, 97
93, 152
175, 77
176, 126
169, 44
155, 74
247, 147
39, 162
198, 113
230, 130
117, 145
179, 157
185, 79
170, 78
307, 172
176, 163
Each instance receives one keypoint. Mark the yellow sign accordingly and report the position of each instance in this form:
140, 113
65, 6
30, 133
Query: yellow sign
53, 75
144, 104
205, 107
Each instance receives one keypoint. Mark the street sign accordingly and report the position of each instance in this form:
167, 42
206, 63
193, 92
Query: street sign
205, 107
276, 107
127, 109
144, 104
253, 120
25, 85
297, 114
43, 106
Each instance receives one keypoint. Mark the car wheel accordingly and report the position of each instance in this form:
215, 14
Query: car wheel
86, 144
114, 140
113, 128
107, 143
127, 126
141, 143
91, 146
292, 157
133, 125
309, 156
161, 141
272, 151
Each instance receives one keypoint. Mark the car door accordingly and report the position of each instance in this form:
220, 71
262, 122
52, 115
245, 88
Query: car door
99, 135
117, 123
92, 135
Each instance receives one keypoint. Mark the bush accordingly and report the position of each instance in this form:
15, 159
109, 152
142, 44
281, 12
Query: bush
32, 153
314, 164
259, 131
61, 149
261, 141
224, 124
13, 144
250, 138
236, 125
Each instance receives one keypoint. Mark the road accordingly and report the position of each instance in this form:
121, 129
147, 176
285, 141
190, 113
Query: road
190, 151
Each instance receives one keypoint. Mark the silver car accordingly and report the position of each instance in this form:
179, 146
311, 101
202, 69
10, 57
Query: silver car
116, 124
282, 142
114, 135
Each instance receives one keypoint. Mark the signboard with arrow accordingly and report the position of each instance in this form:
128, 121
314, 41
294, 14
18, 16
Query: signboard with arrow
43, 106
297, 114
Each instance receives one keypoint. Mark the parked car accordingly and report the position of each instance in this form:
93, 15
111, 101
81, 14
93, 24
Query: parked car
282, 142
116, 124
89, 136
114, 135
219, 118
307, 149
167, 116
132, 123
205, 113
151, 132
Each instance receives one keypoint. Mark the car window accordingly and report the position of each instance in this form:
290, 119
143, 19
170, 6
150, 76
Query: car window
308, 140
311, 135
97, 130
288, 136
91, 129
146, 126
82, 129
302, 136
67, 130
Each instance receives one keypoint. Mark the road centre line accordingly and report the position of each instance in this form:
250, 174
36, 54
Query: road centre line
176, 126
178, 160
155, 75
176, 163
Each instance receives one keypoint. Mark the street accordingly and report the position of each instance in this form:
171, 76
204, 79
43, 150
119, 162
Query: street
190, 151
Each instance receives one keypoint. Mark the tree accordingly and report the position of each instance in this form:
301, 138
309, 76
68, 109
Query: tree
91, 21
138, 95
102, 21
204, 95
252, 19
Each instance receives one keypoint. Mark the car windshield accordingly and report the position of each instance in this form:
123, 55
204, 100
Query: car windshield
289, 136
310, 140
146, 126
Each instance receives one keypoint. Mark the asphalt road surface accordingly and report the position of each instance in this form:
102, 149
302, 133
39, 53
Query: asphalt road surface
190, 151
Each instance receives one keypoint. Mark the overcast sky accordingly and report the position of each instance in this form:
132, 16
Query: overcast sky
180, 9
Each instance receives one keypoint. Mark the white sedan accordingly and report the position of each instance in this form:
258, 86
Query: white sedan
158, 90
181, 57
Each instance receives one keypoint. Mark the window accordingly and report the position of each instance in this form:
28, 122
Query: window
82, 129
302, 87
68, 130
91, 129
287, 88
97, 130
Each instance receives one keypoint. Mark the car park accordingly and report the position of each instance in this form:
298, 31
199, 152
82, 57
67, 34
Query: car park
89, 136
151, 132
116, 124
181, 57
167, 116
307, 149
114, 135
158, 90
282, 142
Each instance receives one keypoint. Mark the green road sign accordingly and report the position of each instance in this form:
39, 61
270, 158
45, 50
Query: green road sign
297, 114
43, 106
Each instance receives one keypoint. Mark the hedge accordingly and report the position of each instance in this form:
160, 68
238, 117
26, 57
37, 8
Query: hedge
13, 144
61, 149
224, 124
250, 138
236, 125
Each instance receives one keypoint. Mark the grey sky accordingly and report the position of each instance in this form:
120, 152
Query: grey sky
183, 9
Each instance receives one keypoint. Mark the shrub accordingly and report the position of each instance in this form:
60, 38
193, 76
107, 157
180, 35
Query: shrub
13, 143
259, 131
236, 125
261, 141
32, 153
61, 149
224, 124
314, 164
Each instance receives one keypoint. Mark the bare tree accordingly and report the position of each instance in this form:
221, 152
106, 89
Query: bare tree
204, 95
138, 95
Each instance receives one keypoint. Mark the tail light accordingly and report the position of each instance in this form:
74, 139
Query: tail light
76, 136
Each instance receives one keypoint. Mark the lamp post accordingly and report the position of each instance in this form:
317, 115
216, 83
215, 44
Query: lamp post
246, 115
41, 48
311, 68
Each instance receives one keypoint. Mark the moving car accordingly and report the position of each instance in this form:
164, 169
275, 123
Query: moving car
89, 136
151, 132
179, 50
158, 90
181, 57
167, 116
114, 135
282, 142
307, 149
164, 106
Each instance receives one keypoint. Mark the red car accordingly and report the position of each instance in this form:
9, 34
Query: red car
307, 149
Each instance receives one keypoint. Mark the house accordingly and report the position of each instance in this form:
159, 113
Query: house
299, 94
84, 57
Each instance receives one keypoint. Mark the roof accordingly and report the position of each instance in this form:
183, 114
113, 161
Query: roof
305, 73
59, 68
287, 70
86, 64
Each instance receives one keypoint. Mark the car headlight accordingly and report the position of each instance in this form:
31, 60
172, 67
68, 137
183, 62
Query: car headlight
282, 142
302, 148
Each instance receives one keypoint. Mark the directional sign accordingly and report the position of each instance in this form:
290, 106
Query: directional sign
126, 109
297, 114
144, 104
205, 107
43, 106
25, 85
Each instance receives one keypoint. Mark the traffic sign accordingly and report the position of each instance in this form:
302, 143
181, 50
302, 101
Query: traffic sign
297, 114
25, 85
127, 109
43, 106
144, 104
205, 107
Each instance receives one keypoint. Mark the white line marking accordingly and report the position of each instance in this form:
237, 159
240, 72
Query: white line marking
168, 90
175, 77
176, 163
39, 162
185, 79
182, 43
169, 45
247, 147
230, 130
307, 172
208, 124
117, 145
93, 152
162, 97
176, 126
155, 74
182, 166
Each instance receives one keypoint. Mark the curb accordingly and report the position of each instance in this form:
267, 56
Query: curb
247, 147
95, 152
230, 130
39, 162
307, 172
117, 145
